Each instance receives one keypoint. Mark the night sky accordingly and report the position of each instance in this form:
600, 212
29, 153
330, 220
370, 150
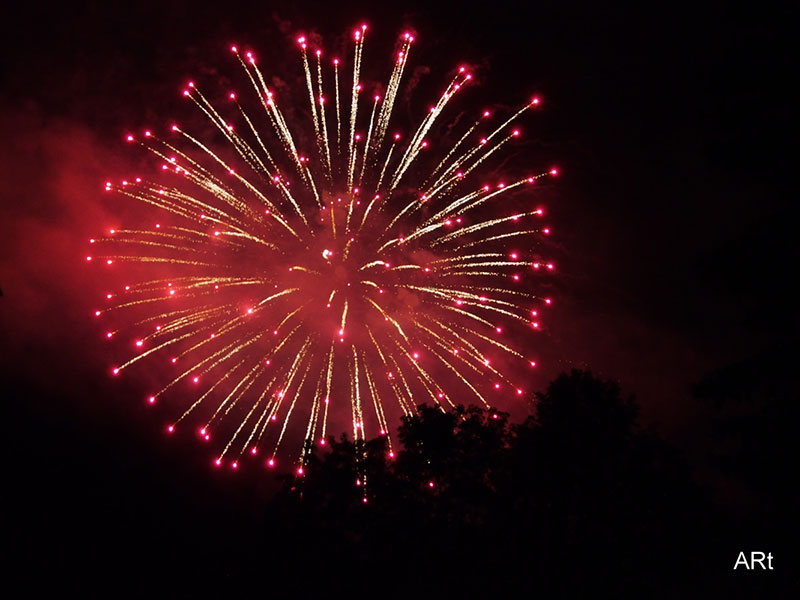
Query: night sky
673, 219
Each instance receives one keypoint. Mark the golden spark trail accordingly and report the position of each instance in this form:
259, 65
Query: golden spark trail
338, 111
365, 157
322, 118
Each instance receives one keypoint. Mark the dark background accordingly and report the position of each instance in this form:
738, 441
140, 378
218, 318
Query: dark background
675, 216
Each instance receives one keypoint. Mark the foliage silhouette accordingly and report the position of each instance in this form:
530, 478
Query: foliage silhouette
574, 499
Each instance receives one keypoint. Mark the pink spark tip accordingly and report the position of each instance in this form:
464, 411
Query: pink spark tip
234, 49
129, 138
115, 371
271, 462
171, 429
535, 101
218, 462
553, 171
152, 399
533, 363
299, 470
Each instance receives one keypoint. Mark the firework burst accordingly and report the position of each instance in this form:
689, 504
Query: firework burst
294, 270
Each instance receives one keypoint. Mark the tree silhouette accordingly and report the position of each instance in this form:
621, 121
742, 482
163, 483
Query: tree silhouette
575, 499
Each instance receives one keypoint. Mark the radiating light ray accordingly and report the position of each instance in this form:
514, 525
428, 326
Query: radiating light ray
391, 93
367, 140
323, 119
338, 109
359, 37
